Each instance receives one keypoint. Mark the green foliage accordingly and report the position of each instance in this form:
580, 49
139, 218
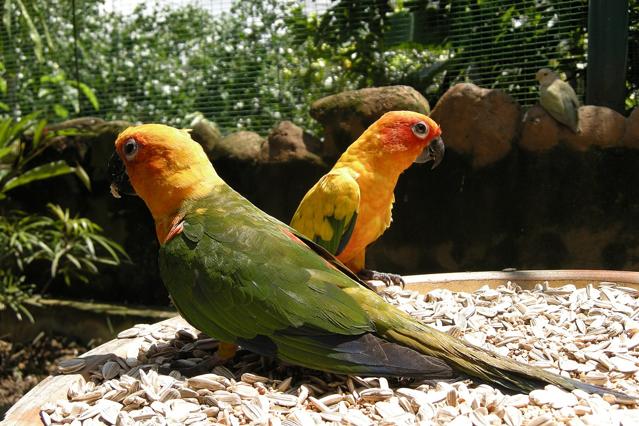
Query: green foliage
71, 248
21, 143
14, 292
249, 67
500, 44
263, 61
63, 246
37, 57
354, 30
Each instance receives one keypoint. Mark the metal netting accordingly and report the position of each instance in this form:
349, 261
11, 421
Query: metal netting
502, 44
632, 77
249, 64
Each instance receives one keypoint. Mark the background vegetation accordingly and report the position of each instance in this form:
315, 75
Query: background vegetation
261, 61
247, 67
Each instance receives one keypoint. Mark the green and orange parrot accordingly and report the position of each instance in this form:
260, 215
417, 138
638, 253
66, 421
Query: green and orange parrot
243, 277
349, 208
558, 98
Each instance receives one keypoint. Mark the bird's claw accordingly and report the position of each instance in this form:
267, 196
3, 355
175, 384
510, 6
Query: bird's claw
385, 277
202, 367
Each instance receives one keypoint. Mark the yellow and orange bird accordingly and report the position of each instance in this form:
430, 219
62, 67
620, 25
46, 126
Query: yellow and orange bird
350, 206
245, 278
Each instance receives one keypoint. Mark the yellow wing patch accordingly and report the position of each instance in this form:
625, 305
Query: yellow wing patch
327, 213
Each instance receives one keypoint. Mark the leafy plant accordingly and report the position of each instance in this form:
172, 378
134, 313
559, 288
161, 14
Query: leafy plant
22, 142
14, 292
246, 67
71, 247
57, 92
38, 57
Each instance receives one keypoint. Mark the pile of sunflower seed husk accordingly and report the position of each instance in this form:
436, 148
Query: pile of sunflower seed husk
591, 334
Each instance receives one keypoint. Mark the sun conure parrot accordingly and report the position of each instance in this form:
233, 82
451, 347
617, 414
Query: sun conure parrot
558, 98
243, 277
350, 206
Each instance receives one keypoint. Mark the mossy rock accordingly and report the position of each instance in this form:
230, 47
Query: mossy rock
346, 115
242, 145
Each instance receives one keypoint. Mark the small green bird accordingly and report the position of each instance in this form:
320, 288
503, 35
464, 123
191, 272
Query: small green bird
244, 277
558, 98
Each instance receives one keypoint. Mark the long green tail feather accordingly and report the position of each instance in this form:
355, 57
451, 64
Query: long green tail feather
486, 365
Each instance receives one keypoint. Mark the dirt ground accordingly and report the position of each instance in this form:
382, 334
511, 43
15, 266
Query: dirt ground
23, 365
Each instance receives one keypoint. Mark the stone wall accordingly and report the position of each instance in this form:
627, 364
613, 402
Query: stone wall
515, 189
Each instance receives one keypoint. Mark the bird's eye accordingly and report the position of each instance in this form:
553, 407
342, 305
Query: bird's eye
420, 130
130, 149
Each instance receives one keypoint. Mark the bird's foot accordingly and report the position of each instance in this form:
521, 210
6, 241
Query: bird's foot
225, 352
385, 277
203, 367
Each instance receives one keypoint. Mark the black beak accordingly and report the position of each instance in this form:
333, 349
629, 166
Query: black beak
120, 183
434, 151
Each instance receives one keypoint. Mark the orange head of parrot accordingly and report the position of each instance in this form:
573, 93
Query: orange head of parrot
404, 137
162, 165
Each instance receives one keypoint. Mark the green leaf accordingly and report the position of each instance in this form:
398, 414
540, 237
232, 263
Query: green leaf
6, 17
83, 176
45, 27
90, 95
60, 111
56, 78
55, 261
37, 132
4, 151
90, 266
110, 246
4, 107
14, 130
90, 246
43, 92
73, 260
4, 131
45, 171
26, 313
33, 31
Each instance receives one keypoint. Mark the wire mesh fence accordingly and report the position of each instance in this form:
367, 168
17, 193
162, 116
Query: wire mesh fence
501, 44
249, 64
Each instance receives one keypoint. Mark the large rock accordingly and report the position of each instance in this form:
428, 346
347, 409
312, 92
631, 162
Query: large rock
346, 115
631, 136
599, 126
479, 123
206, 133
242, 145
539, 132
289, 142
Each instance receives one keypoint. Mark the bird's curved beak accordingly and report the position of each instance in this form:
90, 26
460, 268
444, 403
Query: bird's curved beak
120, 183
434, 151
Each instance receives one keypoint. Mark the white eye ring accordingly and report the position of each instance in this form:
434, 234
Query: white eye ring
420, 130
130, 149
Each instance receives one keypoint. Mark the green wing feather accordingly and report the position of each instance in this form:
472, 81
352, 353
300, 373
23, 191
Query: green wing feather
241, 276
231, 258
328, 213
